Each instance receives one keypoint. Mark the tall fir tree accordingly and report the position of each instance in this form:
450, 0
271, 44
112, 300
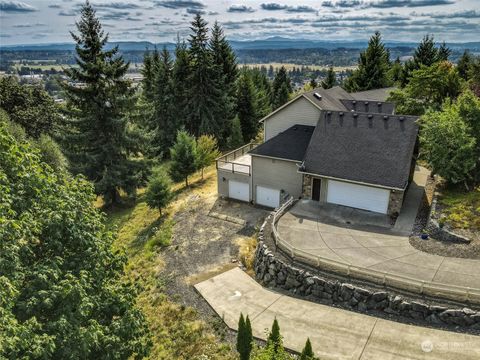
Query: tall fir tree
225, 69
149, 70
330, 80
98, 137
443, 52
263, 92
281, 88
373, 65
180, 76
426, 52
463, 65
206, 98
164, 122
246, 107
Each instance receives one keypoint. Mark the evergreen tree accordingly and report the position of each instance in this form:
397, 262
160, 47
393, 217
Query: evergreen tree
235, 139
464, 64
281, 88
164, 123
206, 96
307, 352
207, 151
181, 75
183, 156
313, 83
263, 92
443, 52
150, 64
395, 72
159, 193
373, 65
426, 53
331, 80
274, 337
225, 70
246, 107
244, 338
99, 141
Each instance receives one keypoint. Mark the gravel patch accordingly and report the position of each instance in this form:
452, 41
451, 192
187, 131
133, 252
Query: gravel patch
205, 244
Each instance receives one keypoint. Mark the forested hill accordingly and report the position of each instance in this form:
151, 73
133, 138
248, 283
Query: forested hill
271, 50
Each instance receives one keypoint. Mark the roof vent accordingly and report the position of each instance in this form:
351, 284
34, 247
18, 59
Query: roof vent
379, 104
402, 118
295, 128
370, 116
340, 113
317, 95
385, 117
366, 102
354, 102
329, 113
355, 115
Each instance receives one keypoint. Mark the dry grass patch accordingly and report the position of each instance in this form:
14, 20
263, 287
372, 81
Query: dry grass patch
246, 252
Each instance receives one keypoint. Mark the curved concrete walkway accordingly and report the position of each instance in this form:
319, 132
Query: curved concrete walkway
334, 333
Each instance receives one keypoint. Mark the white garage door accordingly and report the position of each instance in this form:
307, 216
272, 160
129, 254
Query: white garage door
238, 190
358, 196
268, 197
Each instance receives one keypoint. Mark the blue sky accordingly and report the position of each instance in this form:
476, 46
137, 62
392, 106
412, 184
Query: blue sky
41, 21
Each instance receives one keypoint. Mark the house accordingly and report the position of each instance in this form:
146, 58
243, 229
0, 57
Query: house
329, 146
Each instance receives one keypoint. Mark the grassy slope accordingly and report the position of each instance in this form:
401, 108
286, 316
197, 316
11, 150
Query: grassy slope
176, 331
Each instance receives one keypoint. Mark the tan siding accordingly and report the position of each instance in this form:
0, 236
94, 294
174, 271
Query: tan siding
276, 174
301, 112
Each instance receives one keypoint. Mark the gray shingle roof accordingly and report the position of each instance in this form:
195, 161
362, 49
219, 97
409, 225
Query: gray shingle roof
372, 95
369, 106
369, 148
330, 98
290, 144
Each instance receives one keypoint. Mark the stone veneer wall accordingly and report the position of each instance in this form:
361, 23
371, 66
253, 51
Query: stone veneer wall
395, 202
276, 273
438, 232
307, 186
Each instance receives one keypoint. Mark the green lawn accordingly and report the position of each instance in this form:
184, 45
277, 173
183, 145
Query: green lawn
177, 332
461, 209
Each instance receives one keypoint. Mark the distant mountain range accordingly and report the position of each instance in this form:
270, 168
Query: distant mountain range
269, 43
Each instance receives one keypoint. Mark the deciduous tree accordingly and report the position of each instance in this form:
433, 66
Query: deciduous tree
206, 151
61, 290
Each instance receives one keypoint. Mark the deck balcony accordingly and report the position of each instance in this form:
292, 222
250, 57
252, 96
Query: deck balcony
237, 161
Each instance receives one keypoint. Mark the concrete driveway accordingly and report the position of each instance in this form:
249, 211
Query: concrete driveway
373, 247
368, 240
334, 333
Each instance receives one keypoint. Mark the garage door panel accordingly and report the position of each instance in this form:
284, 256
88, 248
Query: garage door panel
239, 190
358, 196
267, 196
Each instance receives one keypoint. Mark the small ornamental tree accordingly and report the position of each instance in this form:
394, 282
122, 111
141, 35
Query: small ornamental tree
274, 337
244, 338
183, 155
307, 352
159, 193
207, 151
